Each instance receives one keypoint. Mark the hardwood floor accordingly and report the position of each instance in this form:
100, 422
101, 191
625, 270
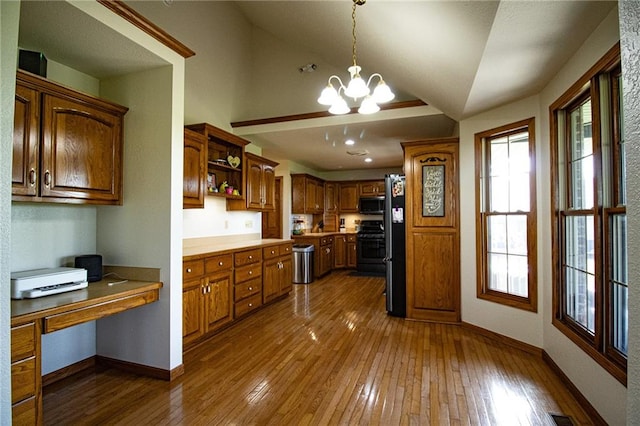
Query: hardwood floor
328, 354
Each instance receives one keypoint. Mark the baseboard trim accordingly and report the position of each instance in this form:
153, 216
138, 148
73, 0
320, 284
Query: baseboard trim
69, 370
584, 403
534, 350
143, 370
509, 341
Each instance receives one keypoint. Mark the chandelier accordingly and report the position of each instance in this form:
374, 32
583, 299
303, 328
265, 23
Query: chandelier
356, 88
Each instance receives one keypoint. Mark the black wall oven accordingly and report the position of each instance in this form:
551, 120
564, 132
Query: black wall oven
370, 247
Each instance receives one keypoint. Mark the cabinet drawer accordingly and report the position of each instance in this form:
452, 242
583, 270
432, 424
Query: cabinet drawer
246, 289
23, 379
248, 272
286, 249
326, 240
23, 341
218, 263
24, 413
270, 252
192, 269
247, 257
248, 305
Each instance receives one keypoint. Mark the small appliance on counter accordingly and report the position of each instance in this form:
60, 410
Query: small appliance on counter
298, 227
343, 229
44, 282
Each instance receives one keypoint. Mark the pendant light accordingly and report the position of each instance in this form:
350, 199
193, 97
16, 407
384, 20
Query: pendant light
357, 88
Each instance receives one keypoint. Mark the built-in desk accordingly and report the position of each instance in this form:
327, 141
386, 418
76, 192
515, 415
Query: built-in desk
30, 318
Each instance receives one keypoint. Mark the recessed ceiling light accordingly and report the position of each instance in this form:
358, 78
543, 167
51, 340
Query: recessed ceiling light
368, 160
349, 142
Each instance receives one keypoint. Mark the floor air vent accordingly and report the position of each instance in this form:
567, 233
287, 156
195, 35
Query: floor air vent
561, 420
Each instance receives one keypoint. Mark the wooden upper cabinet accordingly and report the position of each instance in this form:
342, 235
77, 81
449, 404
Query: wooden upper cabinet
307, 194
195, 170
349, 197
78, 139
331, 197
260, 192
26, 142
372, 188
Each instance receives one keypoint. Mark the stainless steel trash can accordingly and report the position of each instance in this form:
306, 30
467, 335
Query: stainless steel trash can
303, 263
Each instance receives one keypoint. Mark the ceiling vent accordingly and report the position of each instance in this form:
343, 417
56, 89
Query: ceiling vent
358, 152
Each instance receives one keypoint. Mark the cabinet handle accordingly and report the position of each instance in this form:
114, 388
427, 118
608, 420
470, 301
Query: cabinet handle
251, 305
250, 288
220, 263
32, 177
250, 272
250, 257
47, 178
189, 270
272, 251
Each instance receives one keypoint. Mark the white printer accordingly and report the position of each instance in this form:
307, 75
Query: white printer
44, 282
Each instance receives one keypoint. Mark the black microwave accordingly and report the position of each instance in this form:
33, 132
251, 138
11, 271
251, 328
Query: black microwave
371, 205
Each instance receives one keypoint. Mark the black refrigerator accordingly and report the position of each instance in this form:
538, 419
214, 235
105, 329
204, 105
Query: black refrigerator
394, 234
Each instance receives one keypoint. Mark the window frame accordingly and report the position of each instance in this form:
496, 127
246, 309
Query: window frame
597, 345
482, 164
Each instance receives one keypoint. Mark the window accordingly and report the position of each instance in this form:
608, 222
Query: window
589, 223
506, 215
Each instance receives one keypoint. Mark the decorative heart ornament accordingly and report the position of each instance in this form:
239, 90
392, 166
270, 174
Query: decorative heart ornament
233, 161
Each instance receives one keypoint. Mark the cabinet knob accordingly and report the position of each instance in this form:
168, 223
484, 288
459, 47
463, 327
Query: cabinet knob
251, 305
189, 270
250, 272
250, 288
220, 263
272, 251
250, 257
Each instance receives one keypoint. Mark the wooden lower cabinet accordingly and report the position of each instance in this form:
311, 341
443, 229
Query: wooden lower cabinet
220, 288
278, 272
352, 253
247, 293
206, 296
340, 251
326, 255
26, 380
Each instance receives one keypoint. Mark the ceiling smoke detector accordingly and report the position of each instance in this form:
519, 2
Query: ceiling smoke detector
308, 68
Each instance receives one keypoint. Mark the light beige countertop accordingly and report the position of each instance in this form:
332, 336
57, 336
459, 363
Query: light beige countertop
193, 248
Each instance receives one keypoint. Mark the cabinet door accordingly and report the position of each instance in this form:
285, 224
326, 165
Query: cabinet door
268, 187
192, 292
326, 258
24, 179
81, 151
195, 169
254, 184
352, 255
311, 191
297, 194
372, 188
286, 274
349, 197
331, 197
319, 197
271, 280
218, 301
340, 254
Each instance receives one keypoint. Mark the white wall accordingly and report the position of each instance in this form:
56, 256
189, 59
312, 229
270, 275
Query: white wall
629, 41
603, 391
9, 18
516, 323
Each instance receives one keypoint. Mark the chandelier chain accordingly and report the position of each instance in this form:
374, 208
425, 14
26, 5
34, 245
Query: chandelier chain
353, 29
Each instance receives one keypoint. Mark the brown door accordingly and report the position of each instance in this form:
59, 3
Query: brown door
272, 220
433, 224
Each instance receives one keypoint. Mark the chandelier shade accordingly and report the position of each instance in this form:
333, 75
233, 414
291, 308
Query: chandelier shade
357, 88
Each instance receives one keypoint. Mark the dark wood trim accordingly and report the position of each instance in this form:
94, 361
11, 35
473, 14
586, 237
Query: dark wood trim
529, 303
144, 370
531, 349
69, 370
321, 114
584, 402
121, 9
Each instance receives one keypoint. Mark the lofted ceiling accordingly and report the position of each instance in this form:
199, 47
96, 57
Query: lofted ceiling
459, 58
